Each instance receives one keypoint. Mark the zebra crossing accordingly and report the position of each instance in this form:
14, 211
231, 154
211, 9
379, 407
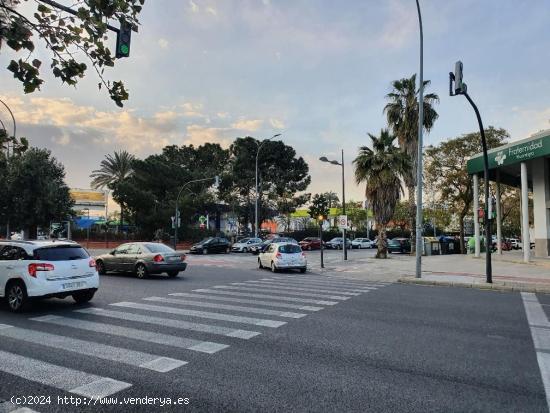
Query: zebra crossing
225, 314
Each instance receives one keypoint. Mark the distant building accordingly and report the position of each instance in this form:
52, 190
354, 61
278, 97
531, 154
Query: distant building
89, 199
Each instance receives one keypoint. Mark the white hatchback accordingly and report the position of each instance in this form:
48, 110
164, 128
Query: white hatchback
45, 269
283, 256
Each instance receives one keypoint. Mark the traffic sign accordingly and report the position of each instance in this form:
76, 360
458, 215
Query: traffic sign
342, 221
202, 219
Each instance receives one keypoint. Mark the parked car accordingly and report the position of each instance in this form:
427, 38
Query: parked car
362, 243
211, 244
285, 256
245, 244
263, 246
310, 243
142, 259
402, 245
515, 242
45, 269
338, 242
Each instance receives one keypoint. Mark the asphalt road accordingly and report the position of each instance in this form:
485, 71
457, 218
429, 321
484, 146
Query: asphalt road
344, 345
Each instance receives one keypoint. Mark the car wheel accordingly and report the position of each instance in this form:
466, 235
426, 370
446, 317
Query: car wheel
245, 249
205, 251
173, 274
100, 267
260, 266
16, 296
273, 267
227, 250
141, 271
82, 297
302, 270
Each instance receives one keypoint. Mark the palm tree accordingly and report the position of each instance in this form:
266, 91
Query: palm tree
382, 168
402, 115
113, 170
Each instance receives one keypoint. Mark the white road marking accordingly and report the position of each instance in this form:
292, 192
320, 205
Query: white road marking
89, 348
63, 378
288, 286
227, 307
203, 314
276, 291
245, 301
170, 322
334, 281
142, 335
541, 339
318, 284
273, 297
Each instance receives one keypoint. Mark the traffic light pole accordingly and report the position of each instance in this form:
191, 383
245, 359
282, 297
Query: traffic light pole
488, 239
461, 89
73, 12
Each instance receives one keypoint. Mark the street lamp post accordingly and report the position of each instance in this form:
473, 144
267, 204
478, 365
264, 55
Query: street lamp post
176, 217
419, 218
324, 159
256, 187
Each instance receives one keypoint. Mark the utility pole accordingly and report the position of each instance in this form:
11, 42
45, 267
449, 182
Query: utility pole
460, 88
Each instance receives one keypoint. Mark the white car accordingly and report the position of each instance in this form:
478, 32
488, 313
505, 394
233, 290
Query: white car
362, 243
283, 256
246, 244
33, 269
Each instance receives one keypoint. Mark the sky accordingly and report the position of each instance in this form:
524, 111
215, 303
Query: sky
316, 71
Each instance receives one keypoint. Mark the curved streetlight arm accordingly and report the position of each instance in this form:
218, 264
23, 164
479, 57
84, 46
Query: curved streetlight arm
14, 124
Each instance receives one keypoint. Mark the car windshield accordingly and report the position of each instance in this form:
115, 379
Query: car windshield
61, 253
243, 241
336, 240
154, 247
290, 249
393, 242
204, 241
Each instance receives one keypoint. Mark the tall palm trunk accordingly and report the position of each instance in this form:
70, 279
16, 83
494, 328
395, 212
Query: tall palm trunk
382, 243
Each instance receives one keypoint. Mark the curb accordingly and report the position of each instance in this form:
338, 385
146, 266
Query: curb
537, 288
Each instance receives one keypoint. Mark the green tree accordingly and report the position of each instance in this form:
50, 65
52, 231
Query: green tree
37, 191
357, 215
382, 168
402, 115
333, 200
281, 174
319, 207
446, 175
67, 38
113, 172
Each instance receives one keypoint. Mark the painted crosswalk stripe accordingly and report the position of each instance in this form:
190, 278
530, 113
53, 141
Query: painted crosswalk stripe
169, 322
268, 296
63, 378
332, 282
349, 281
287, 286
255, 310
246, 301
276, 291
89, 348
142, 335
321, 284
203, 314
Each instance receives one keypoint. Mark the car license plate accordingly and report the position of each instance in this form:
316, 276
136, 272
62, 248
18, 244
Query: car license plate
175, 258
68, 286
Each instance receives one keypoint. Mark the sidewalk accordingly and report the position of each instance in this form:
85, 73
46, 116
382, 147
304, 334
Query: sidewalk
510, 273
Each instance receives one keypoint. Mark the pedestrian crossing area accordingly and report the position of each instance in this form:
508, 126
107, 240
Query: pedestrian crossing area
183, 324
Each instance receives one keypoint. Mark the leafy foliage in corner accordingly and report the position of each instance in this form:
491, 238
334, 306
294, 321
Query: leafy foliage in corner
319, 207
70, 39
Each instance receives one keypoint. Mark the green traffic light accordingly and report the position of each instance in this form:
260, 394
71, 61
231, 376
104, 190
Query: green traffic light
124, 49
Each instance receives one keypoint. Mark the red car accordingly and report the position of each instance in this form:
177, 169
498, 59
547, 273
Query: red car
310, 243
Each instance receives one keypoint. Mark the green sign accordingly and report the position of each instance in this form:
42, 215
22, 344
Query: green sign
510, 154
202, 219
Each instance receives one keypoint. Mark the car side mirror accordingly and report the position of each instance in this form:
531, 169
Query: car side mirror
113, 252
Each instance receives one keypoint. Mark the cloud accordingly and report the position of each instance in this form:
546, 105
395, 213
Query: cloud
199, 134
276, 123
192, 110
401, 25
222, 115
163, 43
193, 6
251, 125
211, 10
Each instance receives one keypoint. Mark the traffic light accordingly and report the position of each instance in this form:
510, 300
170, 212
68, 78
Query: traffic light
460, 87
123, 38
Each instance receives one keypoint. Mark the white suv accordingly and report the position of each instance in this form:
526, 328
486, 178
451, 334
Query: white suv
45, 269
